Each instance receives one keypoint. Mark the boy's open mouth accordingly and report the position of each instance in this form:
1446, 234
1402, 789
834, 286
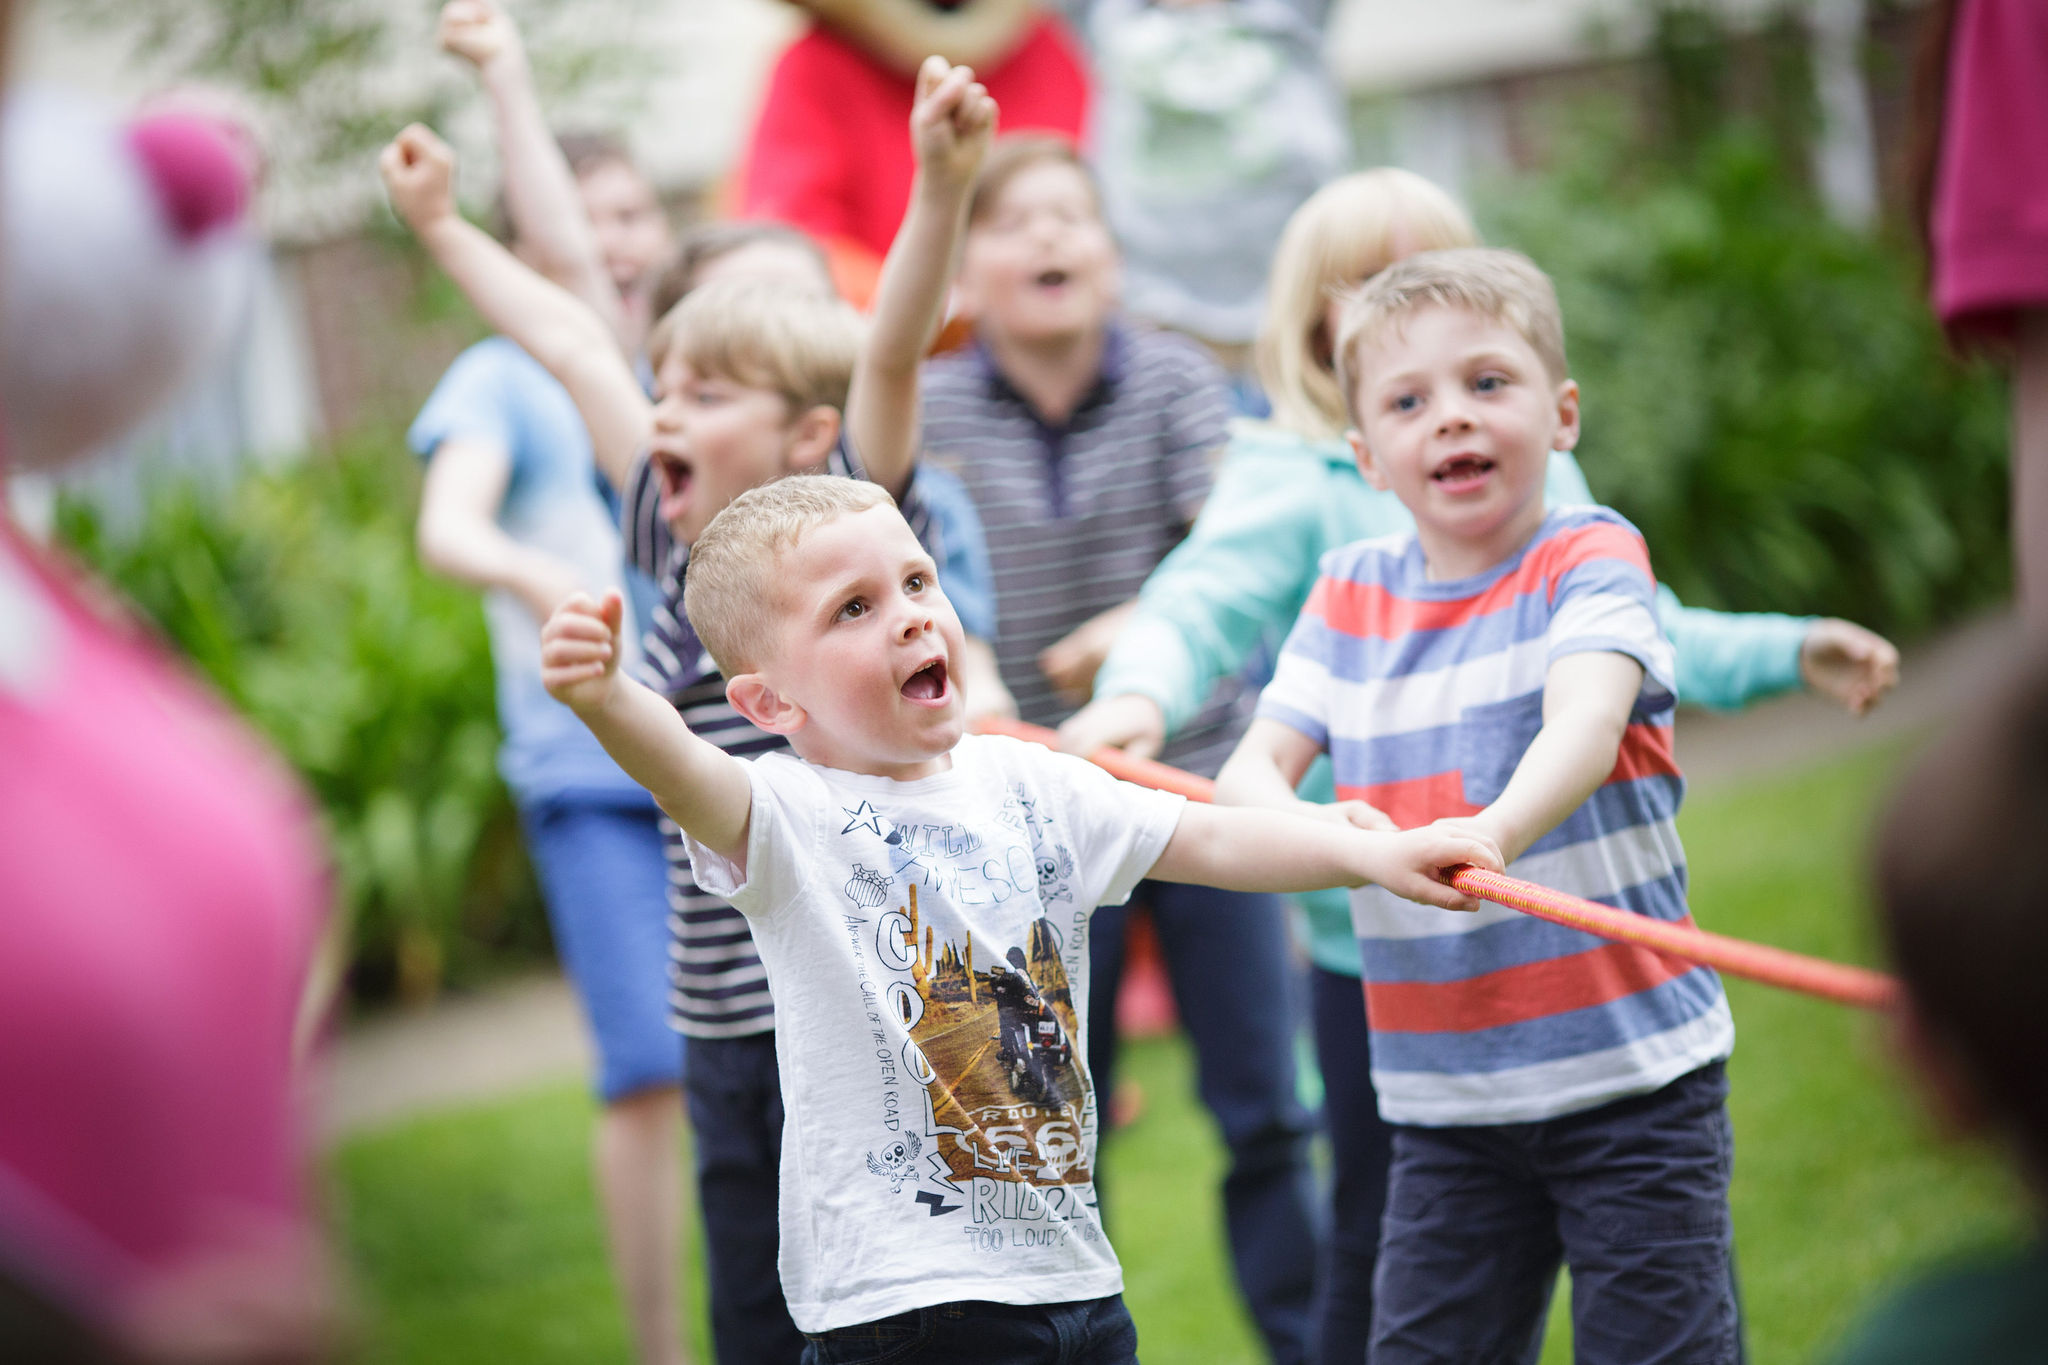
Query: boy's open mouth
928, 683
676, 478
1051, 279
1461, 470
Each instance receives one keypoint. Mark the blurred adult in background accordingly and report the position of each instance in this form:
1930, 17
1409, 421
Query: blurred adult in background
161, 885
1982, 168
828, 151
1215, 120
512, 504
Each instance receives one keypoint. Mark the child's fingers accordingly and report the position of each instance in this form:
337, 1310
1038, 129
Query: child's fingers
612, 610
929, 75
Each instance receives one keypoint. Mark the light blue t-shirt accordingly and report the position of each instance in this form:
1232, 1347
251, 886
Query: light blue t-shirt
555, 502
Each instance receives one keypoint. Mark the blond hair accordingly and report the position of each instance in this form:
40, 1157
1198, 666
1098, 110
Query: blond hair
765, 334
1346, 232
1505, 286
732, 563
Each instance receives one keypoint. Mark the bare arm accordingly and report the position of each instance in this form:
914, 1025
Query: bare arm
950, 125
540, 190
1269, 763
901, 33
703, 788
550, 324
1586, 703
1252, 849
459, 536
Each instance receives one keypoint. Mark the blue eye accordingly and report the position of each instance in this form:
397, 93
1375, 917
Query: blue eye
1407, 402
1490, 383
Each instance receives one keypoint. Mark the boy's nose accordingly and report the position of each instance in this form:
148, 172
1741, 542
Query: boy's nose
917, 621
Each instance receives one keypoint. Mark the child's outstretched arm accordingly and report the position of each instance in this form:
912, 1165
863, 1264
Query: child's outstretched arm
1266, 767
540, 190
950, 126
703, 788
1587, 698
1243, 848
548, 322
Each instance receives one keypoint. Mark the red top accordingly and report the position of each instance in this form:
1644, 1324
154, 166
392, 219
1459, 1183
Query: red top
161, 894
1990, 229
831, 150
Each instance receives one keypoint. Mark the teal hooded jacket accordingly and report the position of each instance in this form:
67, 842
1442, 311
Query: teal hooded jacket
1233, 588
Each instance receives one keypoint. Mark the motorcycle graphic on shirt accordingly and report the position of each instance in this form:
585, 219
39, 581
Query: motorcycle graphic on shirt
994, 1034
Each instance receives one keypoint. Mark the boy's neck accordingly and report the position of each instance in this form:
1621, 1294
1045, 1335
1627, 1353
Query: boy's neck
823, 753
1448, 558
1053, 374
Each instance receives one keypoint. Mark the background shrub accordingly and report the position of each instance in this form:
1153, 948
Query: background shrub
297, 594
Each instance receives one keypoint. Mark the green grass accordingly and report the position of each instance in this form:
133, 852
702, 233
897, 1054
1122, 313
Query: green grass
475, 1238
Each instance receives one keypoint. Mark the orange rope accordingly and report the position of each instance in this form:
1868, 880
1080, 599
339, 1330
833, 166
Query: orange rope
1737, 957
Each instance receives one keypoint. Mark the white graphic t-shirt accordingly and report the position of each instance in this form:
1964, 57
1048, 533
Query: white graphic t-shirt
927, 945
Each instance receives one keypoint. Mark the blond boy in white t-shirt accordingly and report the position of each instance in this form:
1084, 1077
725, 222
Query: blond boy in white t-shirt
920, 899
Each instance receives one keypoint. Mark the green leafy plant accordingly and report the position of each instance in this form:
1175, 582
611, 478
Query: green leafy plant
1766, 394
298, 596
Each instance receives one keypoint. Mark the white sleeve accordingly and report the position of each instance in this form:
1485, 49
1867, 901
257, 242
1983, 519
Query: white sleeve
782, 841
1116, 830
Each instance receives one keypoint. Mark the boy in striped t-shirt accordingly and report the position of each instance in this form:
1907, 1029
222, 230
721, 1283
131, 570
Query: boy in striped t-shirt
1501, 669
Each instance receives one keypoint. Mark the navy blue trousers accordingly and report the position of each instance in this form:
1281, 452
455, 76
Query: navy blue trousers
1633, 1196
1234, 984
733, 1088
1088, 1332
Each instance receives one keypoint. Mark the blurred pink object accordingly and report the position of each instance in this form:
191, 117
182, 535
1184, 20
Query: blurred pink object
163, 898
199, 173
1990, 215
162, 889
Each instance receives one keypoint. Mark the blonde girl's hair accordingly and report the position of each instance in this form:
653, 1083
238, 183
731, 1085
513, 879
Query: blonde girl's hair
765, 334
1346, 232
729, 594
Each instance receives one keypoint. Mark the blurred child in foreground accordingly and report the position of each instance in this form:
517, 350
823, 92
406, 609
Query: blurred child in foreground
1972, 956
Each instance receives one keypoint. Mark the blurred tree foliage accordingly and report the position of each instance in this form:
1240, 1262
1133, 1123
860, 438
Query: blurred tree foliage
299, 597
330, 80
1765, 392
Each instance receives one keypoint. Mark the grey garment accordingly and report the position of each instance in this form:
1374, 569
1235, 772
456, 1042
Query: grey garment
1079, 515
1213, 123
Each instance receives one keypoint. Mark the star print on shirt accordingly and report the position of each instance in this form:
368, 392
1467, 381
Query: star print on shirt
863, 816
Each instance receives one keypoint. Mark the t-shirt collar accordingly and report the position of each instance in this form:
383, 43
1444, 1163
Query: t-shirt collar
1110, 371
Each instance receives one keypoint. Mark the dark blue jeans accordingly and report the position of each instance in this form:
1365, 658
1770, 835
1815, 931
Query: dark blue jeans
1087, 1332
734, 1092
1633, 1196
1360, 1144
1233, 982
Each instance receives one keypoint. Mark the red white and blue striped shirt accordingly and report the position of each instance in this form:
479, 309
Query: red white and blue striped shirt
1426, 695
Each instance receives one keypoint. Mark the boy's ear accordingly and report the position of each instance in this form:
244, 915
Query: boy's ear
754, 697
811, 437
1367, 466
1567, 416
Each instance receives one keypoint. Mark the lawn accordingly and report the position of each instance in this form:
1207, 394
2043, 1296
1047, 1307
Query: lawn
474, 1236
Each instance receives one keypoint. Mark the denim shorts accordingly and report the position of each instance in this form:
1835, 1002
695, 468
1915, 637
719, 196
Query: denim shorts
1633, 1196
1085, 1332
605, 879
